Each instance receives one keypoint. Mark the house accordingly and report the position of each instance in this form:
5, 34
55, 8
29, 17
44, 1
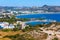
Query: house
5, 25
11, 26
23, 24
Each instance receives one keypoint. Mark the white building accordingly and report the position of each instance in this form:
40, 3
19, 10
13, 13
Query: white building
11, 26
6, 25
23, 24
39, 11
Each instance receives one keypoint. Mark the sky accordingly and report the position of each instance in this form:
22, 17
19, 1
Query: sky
29, 2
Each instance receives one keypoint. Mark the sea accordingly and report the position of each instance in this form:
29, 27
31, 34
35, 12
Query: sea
51, 16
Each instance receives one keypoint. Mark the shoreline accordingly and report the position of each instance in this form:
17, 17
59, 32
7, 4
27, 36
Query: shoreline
39, 13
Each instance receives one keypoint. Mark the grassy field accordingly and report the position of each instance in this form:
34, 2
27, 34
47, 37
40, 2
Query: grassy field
10, 33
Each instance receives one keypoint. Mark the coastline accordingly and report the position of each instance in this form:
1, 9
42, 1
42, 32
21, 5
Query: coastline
39, 13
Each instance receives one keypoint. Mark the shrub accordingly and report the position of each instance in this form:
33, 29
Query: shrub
15, 29
20, 37
6, 30
55, 39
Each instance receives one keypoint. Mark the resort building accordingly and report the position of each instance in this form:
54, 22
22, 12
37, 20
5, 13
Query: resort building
6, 25
22, 24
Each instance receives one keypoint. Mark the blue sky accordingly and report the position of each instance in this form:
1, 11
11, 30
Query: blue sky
29, 2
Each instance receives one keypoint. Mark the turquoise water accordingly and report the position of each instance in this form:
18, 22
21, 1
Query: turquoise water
37, 23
